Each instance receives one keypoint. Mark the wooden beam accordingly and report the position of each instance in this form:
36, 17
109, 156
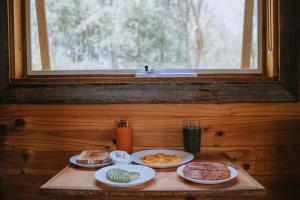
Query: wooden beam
4, 44
18, 43
289, 26
209, 92
272, 52
247, 34
43, 34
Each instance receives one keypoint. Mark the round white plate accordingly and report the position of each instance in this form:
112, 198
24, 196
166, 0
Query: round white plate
146, 174
233, 175
73, 161
185, 157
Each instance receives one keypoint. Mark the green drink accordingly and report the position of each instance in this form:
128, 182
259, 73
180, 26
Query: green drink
192, 137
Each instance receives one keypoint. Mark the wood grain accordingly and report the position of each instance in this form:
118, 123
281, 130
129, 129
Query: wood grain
247, 34
204, 92
183, 111
34, 162
4, 41
43, 34
59, 132
290, 45
272, 42
18, 48
262, 138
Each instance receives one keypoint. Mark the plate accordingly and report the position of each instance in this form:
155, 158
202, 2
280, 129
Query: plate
233, 175
73, 161
146, 174
185, 157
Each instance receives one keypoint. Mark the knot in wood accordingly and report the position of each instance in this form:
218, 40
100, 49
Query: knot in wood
19, 122
246, 166
220, 134
25, 156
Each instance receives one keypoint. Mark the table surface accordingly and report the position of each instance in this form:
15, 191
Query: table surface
79, 181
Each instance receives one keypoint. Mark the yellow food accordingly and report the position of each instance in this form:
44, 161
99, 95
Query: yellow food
160, 158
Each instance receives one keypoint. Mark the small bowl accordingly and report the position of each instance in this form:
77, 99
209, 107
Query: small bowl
120, 157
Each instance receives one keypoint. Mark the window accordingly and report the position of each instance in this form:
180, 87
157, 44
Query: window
123, 36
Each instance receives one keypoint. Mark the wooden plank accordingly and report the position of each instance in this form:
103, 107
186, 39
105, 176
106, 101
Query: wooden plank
34, 162
290, 167
72, 133
130, 78
277, 160
280, 187
77, 181
290, 45
272, 50
18, 47
4, 41
149, 110
247, 34
154, 93
278, 153
43, 34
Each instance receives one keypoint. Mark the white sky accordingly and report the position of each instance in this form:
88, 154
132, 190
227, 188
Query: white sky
226, 11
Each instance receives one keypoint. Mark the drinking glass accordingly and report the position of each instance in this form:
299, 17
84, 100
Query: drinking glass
192, 136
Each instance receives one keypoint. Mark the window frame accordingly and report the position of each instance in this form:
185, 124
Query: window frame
116, 74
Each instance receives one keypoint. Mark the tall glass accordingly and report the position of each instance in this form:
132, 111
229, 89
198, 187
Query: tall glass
192, 136
123, 132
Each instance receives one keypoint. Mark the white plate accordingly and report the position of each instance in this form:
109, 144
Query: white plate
233, 175
185, 157
146, 174
73, 161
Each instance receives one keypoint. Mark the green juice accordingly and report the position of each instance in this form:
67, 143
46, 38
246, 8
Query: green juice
192, 139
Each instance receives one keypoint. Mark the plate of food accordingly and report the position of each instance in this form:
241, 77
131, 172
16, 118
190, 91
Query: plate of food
162, 158
91, 159
207, 172
124, 175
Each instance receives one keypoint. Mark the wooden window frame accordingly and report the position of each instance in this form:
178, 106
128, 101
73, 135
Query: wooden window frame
129, 75
278, 83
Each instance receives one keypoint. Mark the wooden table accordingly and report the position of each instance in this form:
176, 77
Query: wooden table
79, 181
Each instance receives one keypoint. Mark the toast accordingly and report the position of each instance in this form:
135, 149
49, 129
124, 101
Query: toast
92, 157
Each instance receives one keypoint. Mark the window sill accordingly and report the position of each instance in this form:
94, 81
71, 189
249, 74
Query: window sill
118, 93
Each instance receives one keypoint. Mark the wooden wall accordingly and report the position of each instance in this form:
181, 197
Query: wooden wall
39, 139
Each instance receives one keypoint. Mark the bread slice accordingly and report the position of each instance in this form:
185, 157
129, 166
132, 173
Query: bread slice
92, 157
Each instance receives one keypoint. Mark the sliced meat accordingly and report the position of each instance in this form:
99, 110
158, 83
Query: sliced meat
206, 171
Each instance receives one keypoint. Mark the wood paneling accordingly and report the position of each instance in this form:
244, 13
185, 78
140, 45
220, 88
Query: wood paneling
4, 61
159, 110
290, 44
76, 132
262, 138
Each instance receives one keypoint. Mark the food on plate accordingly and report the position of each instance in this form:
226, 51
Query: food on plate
120, 157
206, 171
92, 157
121, 176
161, 158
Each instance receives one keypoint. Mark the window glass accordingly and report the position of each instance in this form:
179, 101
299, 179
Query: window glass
129, 34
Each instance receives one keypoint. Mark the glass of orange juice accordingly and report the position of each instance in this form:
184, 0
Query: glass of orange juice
123, 132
